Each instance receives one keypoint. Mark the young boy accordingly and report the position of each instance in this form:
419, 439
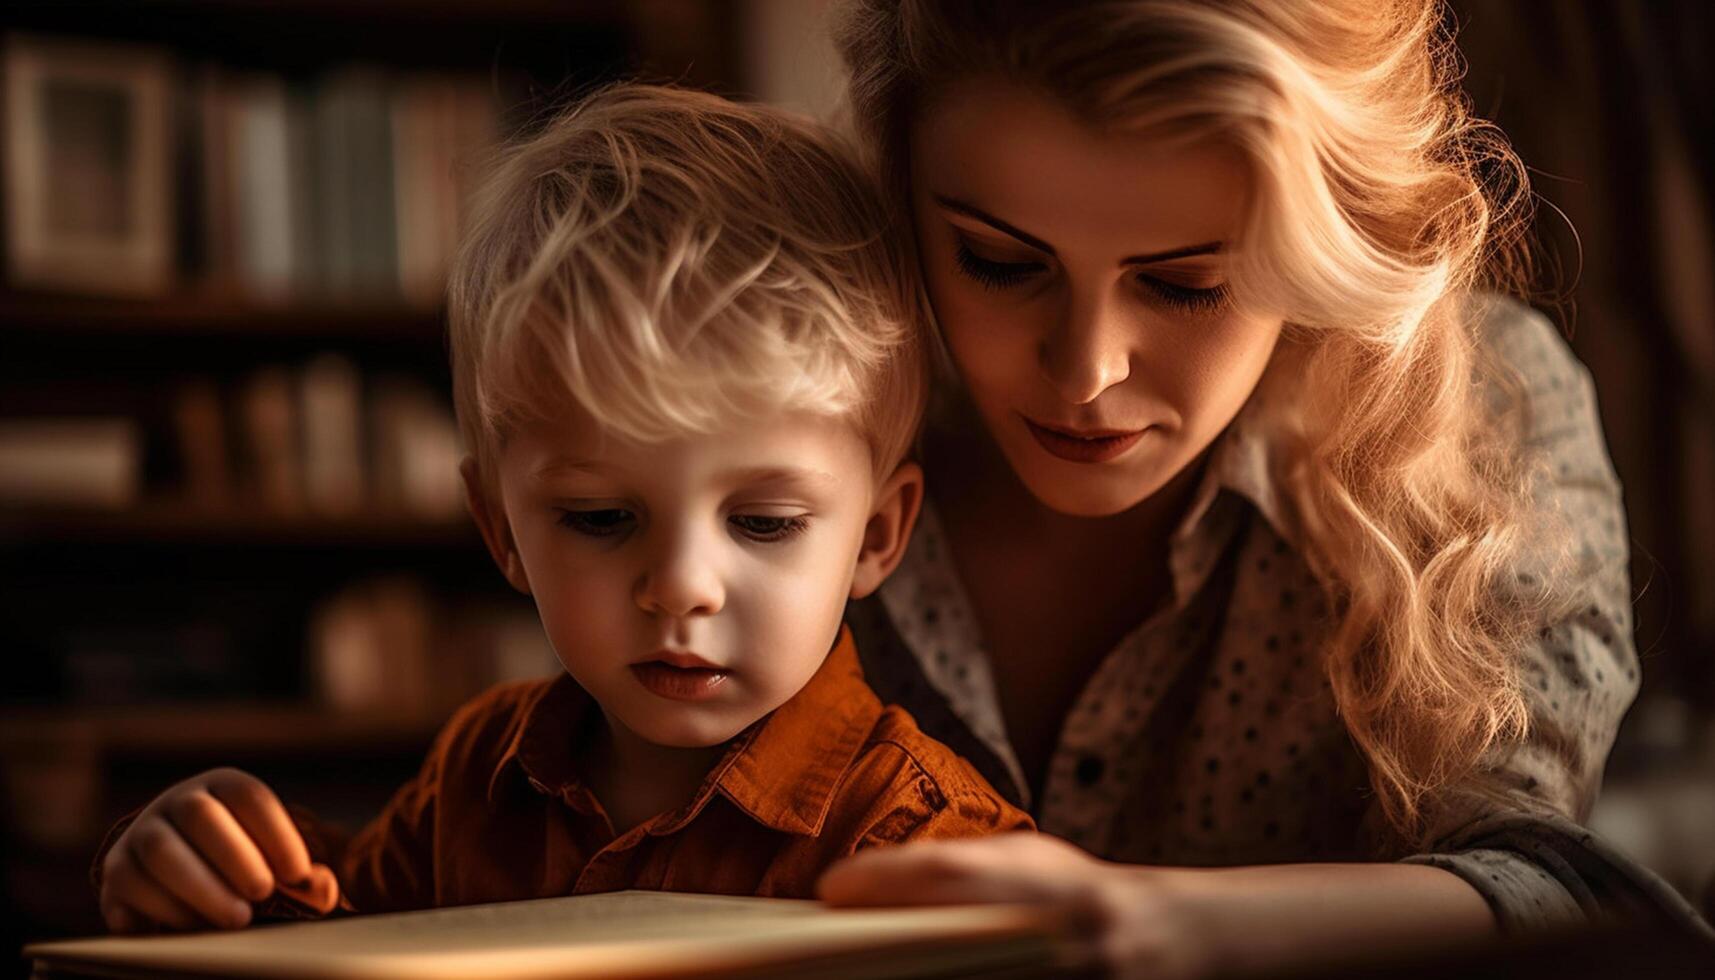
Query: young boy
687, 362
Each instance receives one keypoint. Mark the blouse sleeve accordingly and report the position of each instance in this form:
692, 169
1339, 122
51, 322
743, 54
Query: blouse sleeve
1522, 845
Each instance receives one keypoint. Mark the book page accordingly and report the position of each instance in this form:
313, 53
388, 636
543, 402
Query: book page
618, 934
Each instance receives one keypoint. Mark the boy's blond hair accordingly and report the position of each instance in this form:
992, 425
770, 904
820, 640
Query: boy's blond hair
668, 261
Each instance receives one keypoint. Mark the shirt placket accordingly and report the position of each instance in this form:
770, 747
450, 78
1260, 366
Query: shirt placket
1089, 772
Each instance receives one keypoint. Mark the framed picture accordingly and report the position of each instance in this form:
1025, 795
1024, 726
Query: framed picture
88, 202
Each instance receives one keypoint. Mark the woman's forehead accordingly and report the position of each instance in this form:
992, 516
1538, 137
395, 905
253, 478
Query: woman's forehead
1010, 150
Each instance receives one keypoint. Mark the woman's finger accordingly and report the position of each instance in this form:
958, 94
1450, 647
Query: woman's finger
928, 873
179, 870
216, 834
1025, 868
265, 821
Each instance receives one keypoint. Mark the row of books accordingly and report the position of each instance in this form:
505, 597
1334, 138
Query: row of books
131, 171
351, 185
388, 647
311, 438
318, 438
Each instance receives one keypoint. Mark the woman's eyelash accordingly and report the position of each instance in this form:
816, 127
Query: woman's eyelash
1187, 298
1001, 275
768, 529
990, 274
601, 523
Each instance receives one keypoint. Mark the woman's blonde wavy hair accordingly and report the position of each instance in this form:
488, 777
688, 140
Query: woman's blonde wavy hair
1380, 206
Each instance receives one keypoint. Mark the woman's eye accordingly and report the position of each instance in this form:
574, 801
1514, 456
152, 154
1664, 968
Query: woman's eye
989, 273
759, 528
598, 523
1190, 299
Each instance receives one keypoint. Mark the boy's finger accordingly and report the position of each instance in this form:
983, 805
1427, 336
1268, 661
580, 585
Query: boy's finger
266, 822
136, 889
182, 873
320, 891
216, 834
120, 918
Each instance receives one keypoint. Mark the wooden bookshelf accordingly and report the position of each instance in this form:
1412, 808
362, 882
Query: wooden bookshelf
132, 597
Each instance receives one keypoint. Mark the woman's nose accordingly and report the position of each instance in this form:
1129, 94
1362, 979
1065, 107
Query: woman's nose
680, 580
1090, 349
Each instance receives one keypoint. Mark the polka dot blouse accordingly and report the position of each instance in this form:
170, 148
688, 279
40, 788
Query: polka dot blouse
1208, 736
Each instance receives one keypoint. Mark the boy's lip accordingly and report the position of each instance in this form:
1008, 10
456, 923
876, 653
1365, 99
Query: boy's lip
683, 659
680, 675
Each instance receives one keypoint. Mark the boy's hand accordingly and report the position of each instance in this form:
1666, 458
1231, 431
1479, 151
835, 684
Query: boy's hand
202, 852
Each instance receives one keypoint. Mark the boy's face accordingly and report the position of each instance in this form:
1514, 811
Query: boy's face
693, 586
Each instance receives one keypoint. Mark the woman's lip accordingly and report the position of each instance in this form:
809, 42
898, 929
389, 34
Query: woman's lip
679, 683
1092, 446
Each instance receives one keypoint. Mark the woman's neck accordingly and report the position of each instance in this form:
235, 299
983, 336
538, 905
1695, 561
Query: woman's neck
1051, 593
636, 779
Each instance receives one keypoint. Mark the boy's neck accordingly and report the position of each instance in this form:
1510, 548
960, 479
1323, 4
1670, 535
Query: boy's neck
636, 779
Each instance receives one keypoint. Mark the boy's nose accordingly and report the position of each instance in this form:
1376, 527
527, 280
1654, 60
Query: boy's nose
680, 583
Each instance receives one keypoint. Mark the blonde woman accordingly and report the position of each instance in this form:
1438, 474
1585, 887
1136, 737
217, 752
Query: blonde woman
1271, 559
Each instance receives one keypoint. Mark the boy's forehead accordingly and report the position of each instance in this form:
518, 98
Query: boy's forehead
797, 448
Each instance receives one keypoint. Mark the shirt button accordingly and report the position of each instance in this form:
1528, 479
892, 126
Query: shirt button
1089, 770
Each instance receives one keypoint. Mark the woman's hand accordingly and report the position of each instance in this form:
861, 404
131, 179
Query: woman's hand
205, 849
1185, 922
1128, 920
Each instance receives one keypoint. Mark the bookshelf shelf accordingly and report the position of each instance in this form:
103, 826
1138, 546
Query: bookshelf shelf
202, 728
198, 316
181, 525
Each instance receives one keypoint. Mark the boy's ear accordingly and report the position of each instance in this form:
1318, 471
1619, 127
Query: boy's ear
897, 504
491, 520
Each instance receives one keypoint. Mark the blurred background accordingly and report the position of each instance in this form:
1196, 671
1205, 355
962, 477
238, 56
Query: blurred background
231, 531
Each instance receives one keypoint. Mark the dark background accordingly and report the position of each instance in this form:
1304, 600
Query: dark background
1611, 102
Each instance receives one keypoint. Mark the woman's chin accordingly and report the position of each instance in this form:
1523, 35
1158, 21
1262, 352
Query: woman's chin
1085, 490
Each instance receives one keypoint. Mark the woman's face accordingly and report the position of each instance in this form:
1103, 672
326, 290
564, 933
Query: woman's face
1079, 280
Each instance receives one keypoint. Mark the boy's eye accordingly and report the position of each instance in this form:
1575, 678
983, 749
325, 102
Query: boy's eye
759, 528
991, 274
598, 523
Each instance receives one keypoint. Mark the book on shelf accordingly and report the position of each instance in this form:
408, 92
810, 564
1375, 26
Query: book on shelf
199, 430
331, 398
90, 462
269, 418
617, 934
416, 450
384, 647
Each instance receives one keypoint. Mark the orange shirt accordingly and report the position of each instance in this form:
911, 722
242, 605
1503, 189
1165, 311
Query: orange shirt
498, 813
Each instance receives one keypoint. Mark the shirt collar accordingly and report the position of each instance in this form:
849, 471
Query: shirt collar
782, 771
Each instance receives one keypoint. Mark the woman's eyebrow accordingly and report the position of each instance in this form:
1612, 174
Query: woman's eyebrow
970, 211
960, 207
1206, 248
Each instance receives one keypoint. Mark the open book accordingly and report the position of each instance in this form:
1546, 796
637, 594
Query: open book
620, 934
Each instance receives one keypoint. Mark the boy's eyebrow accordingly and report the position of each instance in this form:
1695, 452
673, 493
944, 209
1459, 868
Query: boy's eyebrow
557, 466
780, 474
971, 211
